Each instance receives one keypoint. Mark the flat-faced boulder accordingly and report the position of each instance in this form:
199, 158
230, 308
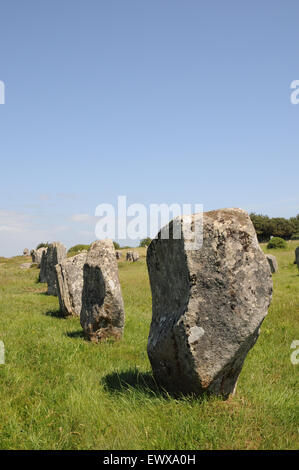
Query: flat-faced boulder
207, 303
272, 263
56, 253
70, 284
135, 256
36, 255
118, 254
129, 256
43, 267
25, 265
102, 313
26, 252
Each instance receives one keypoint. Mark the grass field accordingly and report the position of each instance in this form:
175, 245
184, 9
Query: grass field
58, 391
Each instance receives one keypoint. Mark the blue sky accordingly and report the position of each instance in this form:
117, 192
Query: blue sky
161, 101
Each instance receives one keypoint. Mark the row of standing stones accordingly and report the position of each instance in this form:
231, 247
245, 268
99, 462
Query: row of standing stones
207, 304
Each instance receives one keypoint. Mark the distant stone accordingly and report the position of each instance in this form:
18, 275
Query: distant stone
208, 303
118, 254
26, 252
135, 256
129, 256
56, 253
70, 284
297, 256
43, 267
36, 255
272, 263
25, 265
102, 314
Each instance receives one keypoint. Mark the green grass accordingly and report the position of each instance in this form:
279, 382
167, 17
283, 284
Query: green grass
58, 391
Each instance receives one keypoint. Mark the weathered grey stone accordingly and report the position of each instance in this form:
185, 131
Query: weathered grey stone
272, 263
56, 253
118, 255
129, 256
70, 284
26, 252
36, 255
297, 256
208, 304
135, 256
43, 267
102, 313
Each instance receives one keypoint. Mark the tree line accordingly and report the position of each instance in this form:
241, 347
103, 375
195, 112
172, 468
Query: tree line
265, 227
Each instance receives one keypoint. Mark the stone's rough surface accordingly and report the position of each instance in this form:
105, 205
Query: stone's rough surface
36, 255
118, 254
297, 256
56, 253
208, 304
135, 256
43, 267
102, 313
129, 256
70, 284
272, 263
26, 252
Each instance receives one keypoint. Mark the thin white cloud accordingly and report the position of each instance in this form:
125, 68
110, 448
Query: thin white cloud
83, 218
18, 230
70, 196
13, 221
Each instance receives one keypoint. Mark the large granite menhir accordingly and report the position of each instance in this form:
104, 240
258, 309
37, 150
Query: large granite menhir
56, 253
70, 284
102, 313
208, 304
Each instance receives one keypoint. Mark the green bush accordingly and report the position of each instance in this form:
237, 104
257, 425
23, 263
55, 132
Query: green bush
295, 236
75, 250
116, 245
277, 242
145, 242
42, 245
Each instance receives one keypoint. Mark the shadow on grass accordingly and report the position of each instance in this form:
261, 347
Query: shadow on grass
55, 313
74, 334
132, 379
144, 382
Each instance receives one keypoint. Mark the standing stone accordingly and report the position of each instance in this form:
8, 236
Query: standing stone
135, 256
118, 254
36, 255
56, 253
70, 284
129, 256
272, 263
297, 256
26, 252
208, 304
102, 313
43, 267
